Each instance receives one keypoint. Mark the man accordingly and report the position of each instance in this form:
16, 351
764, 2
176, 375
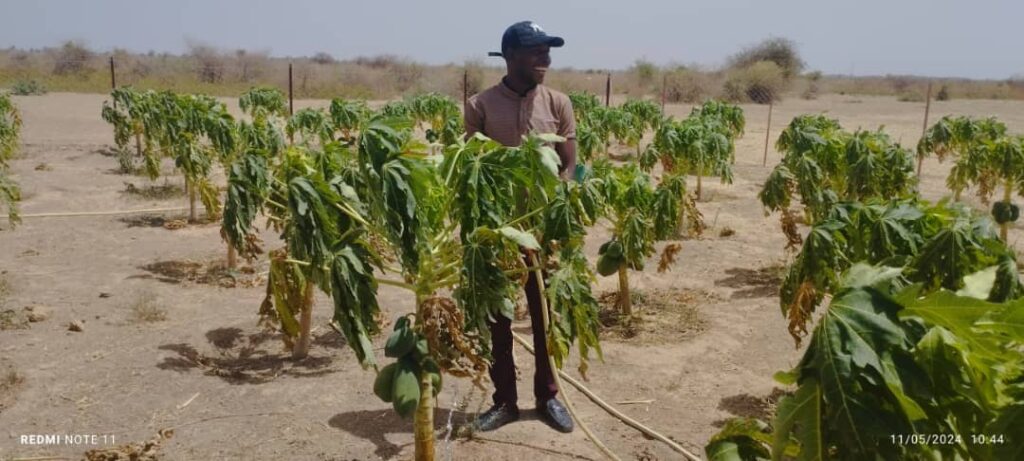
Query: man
505, 112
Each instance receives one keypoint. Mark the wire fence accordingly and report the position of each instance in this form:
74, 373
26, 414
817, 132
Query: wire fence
389, 77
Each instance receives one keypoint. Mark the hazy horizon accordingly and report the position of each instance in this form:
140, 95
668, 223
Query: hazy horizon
941, 38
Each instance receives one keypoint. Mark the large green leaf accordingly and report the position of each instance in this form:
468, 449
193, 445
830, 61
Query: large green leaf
799, 418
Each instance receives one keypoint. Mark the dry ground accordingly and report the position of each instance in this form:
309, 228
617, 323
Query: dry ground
167, 344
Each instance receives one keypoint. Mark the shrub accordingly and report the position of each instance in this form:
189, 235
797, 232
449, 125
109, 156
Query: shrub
72, 59
685, 85
943, 94
644, 71
251, 66
761, 82
209, 63
27, 88
781, 51
911, 96
323, 58
811, 92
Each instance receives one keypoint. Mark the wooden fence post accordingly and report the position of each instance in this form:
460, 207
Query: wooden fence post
924, 128
291, 94
608, 90
767, 133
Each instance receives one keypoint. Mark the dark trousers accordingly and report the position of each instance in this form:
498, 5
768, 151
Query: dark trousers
503, 367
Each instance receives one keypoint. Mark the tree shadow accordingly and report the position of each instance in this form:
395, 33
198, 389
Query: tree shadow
211, 272
373, 425
749, 406
242, 358
753, 283
550, 451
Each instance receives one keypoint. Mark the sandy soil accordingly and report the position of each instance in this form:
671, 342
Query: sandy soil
229, 392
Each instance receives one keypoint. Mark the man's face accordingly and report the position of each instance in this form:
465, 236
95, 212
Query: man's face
531, 64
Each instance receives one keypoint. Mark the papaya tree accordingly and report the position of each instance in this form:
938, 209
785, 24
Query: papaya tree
630, 122
956, 136
729, 115
267, 109
933, 245
348, 117
702, 144
917, 355
10, 128
260, 145
433, 109
824, 165
641, 214
904, 373
134, 117
198, 131
312, 125
986, 157
1002, 164
898, 372
592, 130
263, 102
455, 235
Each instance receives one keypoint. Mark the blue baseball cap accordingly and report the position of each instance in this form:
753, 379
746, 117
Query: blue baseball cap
525, 34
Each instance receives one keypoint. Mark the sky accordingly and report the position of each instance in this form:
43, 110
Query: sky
937, 38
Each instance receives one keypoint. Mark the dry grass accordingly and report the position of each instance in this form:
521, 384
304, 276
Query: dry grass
5, 287
229, 73
911, 88
11, 378
147, 309
10, 383
660, 316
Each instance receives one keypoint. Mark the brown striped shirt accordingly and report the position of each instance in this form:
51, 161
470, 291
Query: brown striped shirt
504, 116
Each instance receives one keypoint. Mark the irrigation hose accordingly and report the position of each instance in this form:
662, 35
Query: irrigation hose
551, 362
100, 213
610, 409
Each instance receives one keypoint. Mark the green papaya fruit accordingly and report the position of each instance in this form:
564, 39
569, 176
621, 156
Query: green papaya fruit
405, 393
422, 349
607, 265
430, 367
615, 249
1014, 212
383, 386
604, 247
400, 342
1001, 211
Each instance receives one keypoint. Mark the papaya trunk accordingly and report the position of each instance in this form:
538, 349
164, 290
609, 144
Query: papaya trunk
423, 421
920, 160
1004, 228
625, 303
190, 186
681, 224
700, 172
232, 256
138, 144
301, 349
